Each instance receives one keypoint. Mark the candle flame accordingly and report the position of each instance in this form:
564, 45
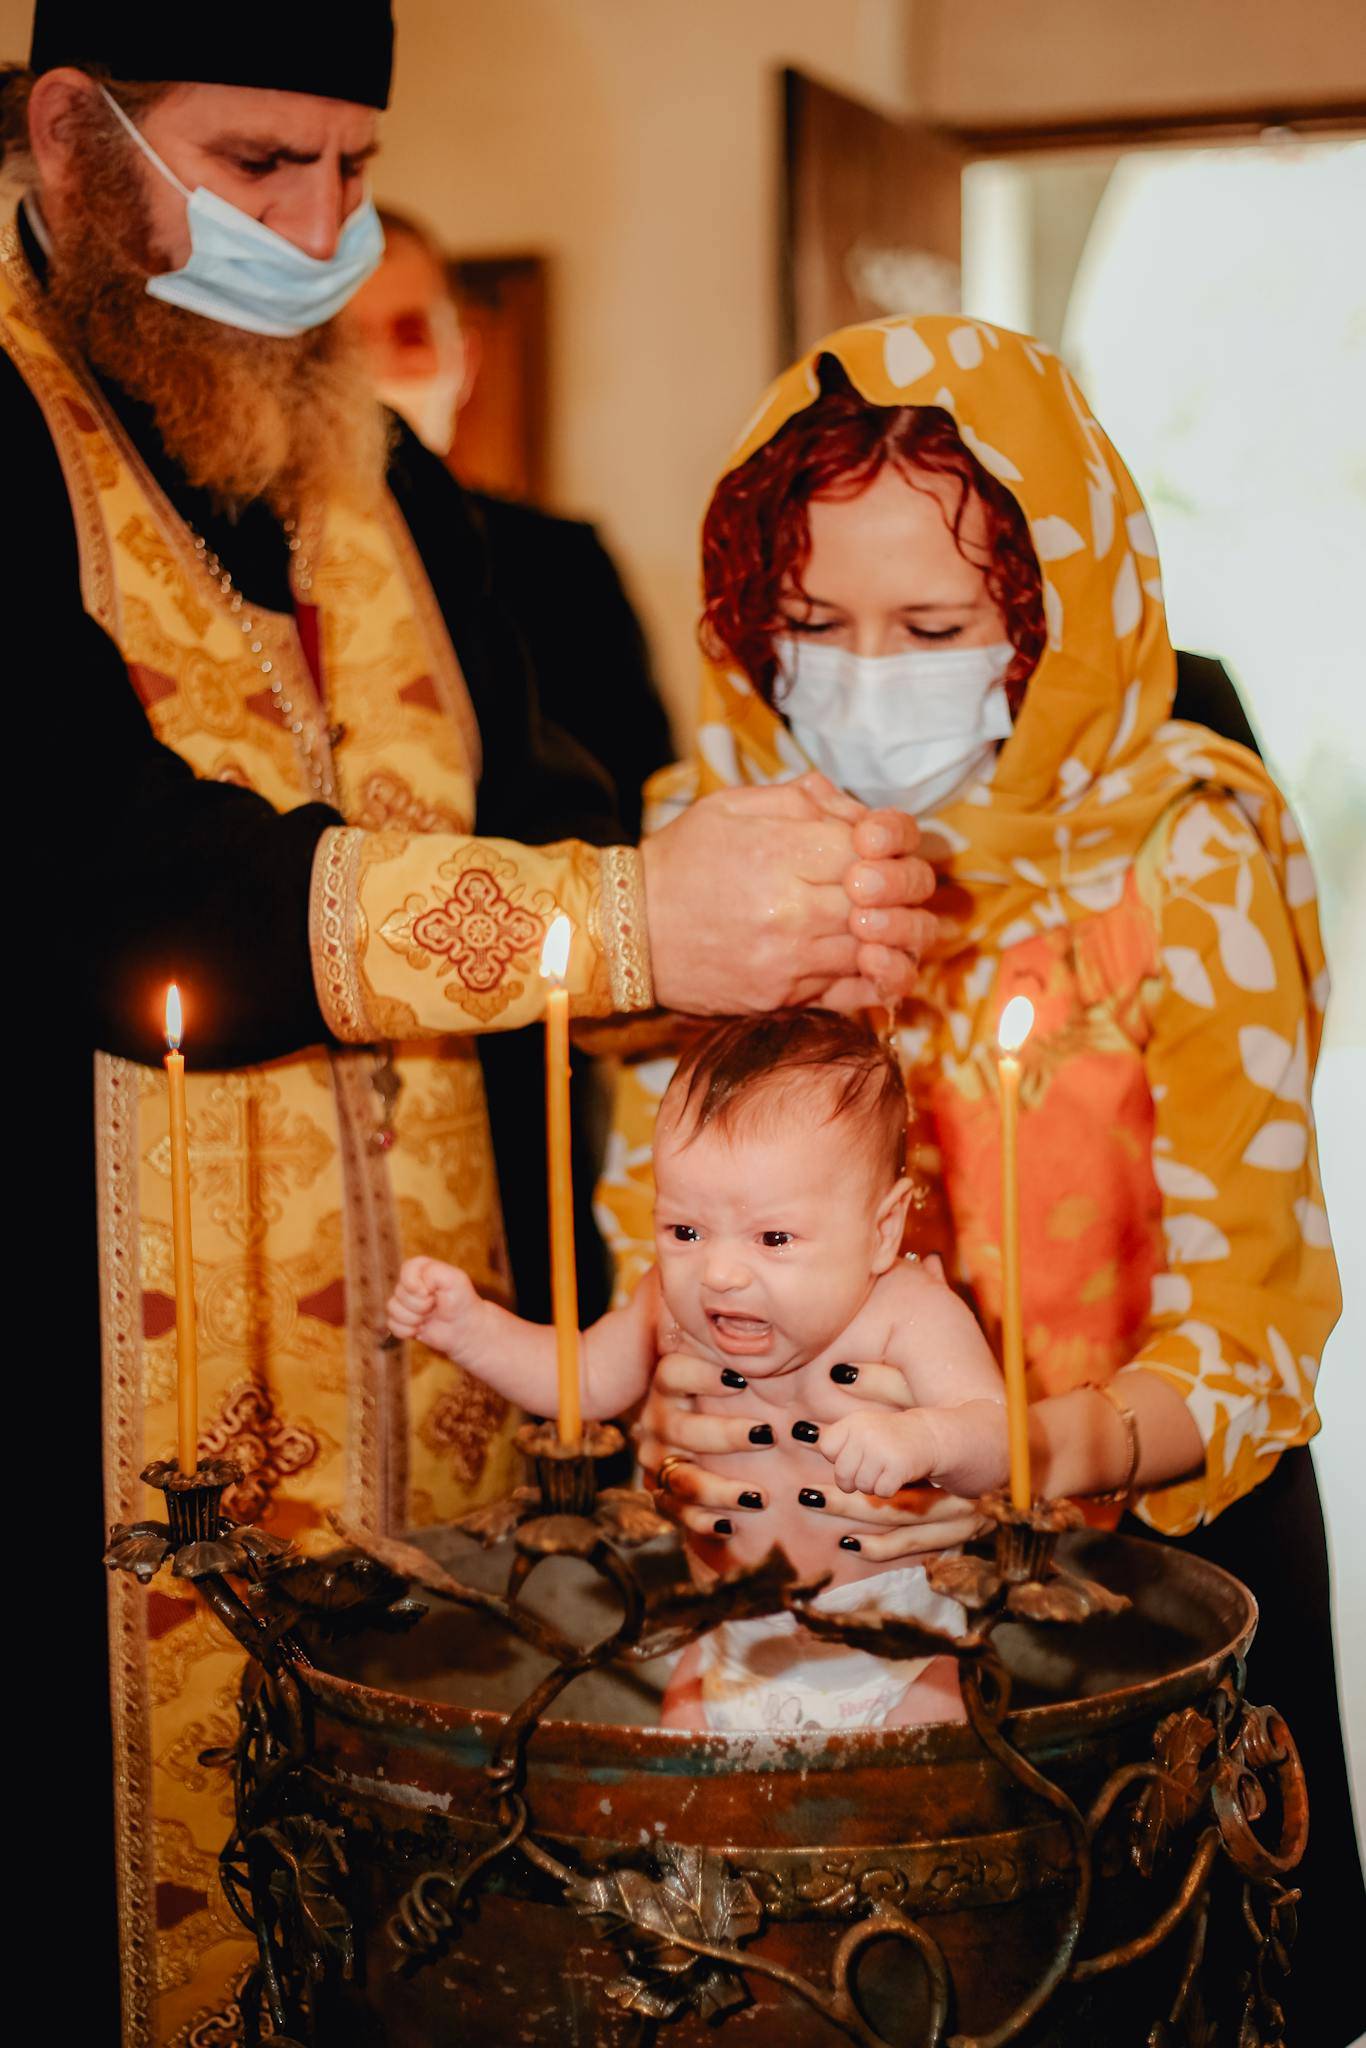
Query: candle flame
1017, 1021
174, 1020
555, 951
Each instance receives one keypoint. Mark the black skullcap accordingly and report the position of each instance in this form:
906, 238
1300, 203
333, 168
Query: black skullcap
344, 55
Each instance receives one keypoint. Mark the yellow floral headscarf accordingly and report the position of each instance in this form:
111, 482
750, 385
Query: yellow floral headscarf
1093, 761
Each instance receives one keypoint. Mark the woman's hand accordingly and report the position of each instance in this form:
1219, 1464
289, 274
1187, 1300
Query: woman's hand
670, 1428
906, 1520
915, 1520
914, 1523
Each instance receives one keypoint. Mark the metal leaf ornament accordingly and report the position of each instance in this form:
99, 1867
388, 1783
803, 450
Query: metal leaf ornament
628, 1516
138, 1547
973, 1581
1194, 2029
142, 1547
490, 1524
311, 1881
864, 1628
694, 1896
1059, 1595
405, 1560
1063, 1596
1184, 1745
623, 1513
676, 1614
339, 1594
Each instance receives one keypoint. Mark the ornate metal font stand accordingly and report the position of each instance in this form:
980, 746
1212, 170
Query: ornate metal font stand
1222, 1785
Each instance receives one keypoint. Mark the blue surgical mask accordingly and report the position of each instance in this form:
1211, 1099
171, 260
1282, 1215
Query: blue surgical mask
242, 274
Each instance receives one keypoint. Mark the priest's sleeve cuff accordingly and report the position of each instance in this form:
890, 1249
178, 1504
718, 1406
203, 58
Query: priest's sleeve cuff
625, 931
336, 935
416, 933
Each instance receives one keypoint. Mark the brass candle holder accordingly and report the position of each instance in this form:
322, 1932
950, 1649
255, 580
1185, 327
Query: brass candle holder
196, 1538
566, 1510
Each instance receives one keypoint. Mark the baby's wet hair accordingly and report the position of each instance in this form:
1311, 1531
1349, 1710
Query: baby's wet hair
728, 1069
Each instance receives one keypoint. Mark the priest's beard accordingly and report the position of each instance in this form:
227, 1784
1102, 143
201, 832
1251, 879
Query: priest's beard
293, 421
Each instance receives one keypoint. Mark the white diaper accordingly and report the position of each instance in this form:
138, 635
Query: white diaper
772, 1673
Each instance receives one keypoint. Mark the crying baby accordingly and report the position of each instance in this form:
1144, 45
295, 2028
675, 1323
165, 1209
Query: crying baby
780, 1205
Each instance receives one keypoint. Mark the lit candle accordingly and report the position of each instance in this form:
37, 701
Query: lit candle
186, 1335
1017, 1021
564, 1283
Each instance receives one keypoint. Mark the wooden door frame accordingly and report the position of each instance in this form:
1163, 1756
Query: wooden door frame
1156, 131
980, 142
800, 93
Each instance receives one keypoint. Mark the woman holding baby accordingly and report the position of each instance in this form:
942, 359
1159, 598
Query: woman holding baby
928, 574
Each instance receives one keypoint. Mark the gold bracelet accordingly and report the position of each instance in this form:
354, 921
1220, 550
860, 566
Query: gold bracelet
1121, 1495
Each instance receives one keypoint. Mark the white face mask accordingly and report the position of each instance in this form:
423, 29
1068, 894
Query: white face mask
429, 404
242, 274
902, 731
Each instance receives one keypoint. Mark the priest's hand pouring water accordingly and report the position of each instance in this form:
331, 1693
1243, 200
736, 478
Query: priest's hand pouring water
790, 893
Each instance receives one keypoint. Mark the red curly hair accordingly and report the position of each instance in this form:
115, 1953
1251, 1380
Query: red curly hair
756, 539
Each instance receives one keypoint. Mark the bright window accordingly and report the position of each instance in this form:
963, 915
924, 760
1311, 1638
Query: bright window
1213, 305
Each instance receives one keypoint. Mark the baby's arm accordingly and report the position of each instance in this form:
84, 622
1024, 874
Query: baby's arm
438, 1304
954, 1433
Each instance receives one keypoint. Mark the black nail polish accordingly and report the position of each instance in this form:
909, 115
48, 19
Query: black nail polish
750, 1500
844, 1375
806, 1432
850, 1543
723, 1527
762, 1433
732, 1379
811, 1497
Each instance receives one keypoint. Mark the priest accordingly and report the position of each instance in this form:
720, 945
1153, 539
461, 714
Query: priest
298, 752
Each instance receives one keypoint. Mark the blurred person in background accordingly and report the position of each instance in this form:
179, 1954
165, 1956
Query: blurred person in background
590, 664
551, 575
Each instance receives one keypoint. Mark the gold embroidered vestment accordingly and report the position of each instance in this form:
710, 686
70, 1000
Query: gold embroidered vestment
305, 1197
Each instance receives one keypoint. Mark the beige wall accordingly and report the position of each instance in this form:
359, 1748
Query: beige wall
986, 61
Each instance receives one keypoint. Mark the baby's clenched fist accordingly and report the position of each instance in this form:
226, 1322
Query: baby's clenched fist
435, 1303
878, 1453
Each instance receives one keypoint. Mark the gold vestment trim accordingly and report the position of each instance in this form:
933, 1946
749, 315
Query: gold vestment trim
44, 376
625, 929
116, 1142
333, 935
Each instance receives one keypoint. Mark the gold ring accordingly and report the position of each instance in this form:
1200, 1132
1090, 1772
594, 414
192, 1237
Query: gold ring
662, 1476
